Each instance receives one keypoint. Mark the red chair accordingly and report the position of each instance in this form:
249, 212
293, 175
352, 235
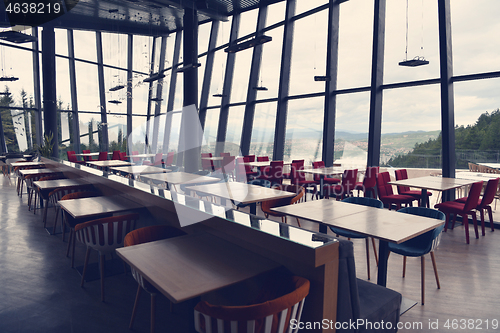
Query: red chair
405, 190
262, 158
387, 196
288, 175
87, 158
299, 178
228, 166
225, 154
116, 155
207, 164
349, 179
135, 159
463, 209
72, 157
369, 183
273, 173
485, 202
250, 174
158, 160
123, 156
326, 180
103, 156
170, 158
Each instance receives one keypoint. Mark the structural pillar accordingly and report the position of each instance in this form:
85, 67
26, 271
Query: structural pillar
49, 86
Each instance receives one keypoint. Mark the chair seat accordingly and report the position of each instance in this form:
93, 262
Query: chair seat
328, 180
451, 207
464, 199
397, 198
415, 193
408, 248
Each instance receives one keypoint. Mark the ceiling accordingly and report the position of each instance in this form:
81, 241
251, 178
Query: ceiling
144, 17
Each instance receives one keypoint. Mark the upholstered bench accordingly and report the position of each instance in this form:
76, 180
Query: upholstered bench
360, 301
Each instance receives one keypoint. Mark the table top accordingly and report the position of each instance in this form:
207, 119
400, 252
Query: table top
88, 207
27, 164
139, 169
379, 223
476, 176
143, 155
241, 192
90, 154
261, 164
434, 183
109, 163
324, 171
181, 178
58, 183
26, 172
213, 158
491, 165
188, 266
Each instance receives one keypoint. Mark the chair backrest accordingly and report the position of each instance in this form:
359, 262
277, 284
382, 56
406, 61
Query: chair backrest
59, 193
262, 158
123, 156
431, 238
86, 151
135, 159
489, 192
364, 201
275, 172
401, 175
295, 175
103, 156
71, 156
268, 204
116, 155
370, 179
225, 154
228, 164
170, 158
383, 188
274, 313
318, 165
158, 159
151, 234
207, 164
249, 158
240, 170
106, 234
349, 179
473, 196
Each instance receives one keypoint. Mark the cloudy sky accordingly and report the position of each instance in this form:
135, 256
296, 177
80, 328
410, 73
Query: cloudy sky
476, 47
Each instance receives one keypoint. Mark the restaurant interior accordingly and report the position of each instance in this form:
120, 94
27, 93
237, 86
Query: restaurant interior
185, 166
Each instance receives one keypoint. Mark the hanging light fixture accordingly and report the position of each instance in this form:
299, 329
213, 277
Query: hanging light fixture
154, 77
418, 60
114, 101
321, 78
118, 87
261, 39
16, 37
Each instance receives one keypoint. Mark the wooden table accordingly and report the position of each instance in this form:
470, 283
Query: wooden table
27, 164
95, 206
386, 226
138, 170
490, 165
322, 172
242, 193
26, 172
45, 186
180, 177
185, 267
432, 183
108, 163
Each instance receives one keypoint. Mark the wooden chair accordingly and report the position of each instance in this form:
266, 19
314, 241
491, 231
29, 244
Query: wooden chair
104, 235
279, 305
268, 204
140, 236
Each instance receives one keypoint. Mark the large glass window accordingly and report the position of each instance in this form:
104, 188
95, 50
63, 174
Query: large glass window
309, 54
242, 64
87, 87
234, 129
263, 130
210, 130
270, 64
411, 116
304, 130
85, 45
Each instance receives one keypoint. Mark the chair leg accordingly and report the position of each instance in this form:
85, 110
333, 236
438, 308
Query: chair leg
73, 242
446, 222
153, 310
87, 255
102, 258
465, 220
433, 258
422, 277
481, 213
367, 256
374, 250
298, 222
55, 222
474, 220
404, 266
490, 215
69, 242
134, 310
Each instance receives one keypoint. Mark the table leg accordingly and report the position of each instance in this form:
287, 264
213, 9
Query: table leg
323, 228
253, 208
383, 254
424, 198
321, 183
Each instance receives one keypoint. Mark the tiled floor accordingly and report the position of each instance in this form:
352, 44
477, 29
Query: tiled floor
40, 292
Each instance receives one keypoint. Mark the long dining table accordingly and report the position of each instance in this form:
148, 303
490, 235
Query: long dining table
384, 225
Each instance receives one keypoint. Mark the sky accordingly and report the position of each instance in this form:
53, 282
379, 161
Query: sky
476, 46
